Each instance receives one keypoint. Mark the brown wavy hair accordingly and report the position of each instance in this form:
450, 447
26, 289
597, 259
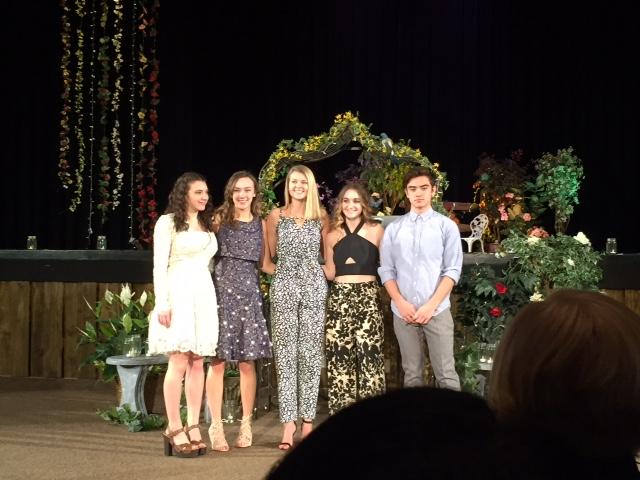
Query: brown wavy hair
225, 213
337, 219
178, 203
570, 366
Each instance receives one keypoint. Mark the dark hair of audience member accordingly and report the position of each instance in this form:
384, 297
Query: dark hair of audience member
569, 368
407, 433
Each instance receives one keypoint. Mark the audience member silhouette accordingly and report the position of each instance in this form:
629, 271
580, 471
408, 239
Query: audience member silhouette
413, 433
566, 389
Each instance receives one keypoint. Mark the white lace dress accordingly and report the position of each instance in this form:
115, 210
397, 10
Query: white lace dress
182, 284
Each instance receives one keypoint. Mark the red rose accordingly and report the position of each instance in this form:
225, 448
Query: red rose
501, 288
495, 312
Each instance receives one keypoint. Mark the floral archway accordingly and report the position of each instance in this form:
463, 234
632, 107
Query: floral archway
383, 162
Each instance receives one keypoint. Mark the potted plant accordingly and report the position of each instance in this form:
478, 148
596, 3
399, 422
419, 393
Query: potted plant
557, 185
487, 300
554, 261
499, 193
116, 319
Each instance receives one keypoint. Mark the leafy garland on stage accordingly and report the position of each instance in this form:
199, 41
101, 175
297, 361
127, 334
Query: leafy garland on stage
383, 162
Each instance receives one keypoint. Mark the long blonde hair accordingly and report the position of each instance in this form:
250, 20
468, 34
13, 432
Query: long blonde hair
313, 209
337, 219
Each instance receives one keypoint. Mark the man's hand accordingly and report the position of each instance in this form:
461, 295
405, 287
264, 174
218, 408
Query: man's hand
424, 313
165, 318
407, 311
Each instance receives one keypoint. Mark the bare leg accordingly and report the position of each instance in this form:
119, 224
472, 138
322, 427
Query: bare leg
172, 389
248, 395
194, 387
247, 386
214, 386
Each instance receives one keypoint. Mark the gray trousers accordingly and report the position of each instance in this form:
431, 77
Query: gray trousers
439, 334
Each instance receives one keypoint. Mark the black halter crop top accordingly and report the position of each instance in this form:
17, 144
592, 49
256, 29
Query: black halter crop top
363, 253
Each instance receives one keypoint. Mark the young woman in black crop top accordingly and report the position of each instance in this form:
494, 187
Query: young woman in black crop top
354, 328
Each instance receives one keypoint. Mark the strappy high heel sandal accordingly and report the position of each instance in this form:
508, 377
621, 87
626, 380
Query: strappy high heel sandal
287, 445
245, 435
182, 450
197, 444
308, 422
216, 435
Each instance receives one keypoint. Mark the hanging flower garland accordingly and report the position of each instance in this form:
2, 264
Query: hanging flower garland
104, 100
79, 107
91, 116
146, 180
346, 128
63, 156
116, 40
92, 123
132, 115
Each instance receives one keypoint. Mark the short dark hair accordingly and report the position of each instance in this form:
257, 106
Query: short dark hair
419, 172
570, 366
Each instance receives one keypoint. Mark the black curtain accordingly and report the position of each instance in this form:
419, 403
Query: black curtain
458, 78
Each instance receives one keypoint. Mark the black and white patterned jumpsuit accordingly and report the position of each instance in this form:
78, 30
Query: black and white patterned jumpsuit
298, 298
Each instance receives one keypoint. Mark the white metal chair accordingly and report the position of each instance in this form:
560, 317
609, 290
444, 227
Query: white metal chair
478, 225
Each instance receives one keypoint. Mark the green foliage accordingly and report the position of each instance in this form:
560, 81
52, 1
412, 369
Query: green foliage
500, 195
467, 358
488, 301
115, 318
387, 178
557, 184
558, 261
383, 166
135, 421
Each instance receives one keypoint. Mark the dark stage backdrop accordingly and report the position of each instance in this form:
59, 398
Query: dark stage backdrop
458, 78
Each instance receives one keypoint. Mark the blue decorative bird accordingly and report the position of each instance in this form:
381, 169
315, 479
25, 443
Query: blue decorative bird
388, 145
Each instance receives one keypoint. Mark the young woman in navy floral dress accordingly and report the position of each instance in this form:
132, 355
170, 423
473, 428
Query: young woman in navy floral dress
243, 334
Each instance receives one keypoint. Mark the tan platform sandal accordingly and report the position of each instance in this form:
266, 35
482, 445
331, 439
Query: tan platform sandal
216, 435
182, 450
245, 435
197, 444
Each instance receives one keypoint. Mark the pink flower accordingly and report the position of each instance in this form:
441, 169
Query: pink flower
537, 232
526, 217
504, 216
508, 195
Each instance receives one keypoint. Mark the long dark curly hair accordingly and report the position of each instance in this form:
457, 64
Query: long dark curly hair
178, 203
225, 213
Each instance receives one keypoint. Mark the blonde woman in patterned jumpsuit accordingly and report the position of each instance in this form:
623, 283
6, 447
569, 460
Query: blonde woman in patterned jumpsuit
295, 234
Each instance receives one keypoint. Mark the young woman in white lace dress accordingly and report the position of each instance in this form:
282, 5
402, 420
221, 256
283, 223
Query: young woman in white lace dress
184, 323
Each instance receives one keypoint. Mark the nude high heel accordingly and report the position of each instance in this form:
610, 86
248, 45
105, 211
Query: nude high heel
216, 435
245, 435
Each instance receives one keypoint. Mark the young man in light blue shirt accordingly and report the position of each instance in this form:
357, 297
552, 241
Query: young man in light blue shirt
420, 262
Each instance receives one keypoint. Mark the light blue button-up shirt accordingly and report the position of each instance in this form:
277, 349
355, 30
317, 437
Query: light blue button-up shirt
418, 249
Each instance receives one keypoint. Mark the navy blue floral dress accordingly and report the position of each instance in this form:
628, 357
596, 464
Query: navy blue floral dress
243, 329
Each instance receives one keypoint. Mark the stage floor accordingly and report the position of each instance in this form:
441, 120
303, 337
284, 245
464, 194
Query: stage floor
49, 430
